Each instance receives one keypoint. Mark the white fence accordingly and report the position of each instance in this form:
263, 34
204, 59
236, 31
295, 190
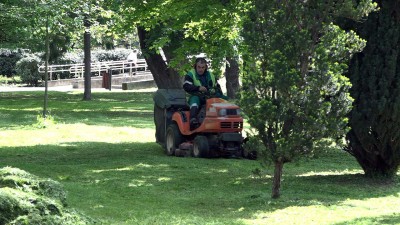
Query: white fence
78, 69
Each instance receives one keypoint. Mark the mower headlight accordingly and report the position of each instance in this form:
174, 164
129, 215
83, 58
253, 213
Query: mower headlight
222, 112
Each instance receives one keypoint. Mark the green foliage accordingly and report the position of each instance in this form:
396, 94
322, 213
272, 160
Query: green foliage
28, 199
44, 122
110, 55
375, 119
13, 20
187, 28
294, 89
27, 68
24, 24
15, 178
8, 60
71, 57
4, 80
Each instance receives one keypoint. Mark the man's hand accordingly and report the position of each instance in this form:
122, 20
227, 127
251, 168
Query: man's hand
202, 89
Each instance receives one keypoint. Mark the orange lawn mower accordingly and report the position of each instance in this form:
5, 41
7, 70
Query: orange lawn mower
219, 133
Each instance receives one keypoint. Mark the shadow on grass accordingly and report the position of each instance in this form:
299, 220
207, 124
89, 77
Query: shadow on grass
332, 189
135, 181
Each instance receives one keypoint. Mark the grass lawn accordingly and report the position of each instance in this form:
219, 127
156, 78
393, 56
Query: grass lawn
103, 153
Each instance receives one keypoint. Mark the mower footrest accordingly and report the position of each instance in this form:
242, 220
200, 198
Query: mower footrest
236, 137
184, 150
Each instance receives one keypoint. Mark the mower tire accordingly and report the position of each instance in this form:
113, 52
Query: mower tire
200, 147
173, 139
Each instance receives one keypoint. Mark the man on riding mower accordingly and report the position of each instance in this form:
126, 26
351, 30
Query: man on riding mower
199, 81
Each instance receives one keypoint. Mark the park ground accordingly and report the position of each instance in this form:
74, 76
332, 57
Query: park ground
104, 154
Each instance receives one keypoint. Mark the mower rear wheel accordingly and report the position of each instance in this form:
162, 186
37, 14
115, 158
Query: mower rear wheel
200, 147
173, 139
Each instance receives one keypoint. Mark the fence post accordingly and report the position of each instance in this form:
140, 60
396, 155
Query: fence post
130, 69
109, 78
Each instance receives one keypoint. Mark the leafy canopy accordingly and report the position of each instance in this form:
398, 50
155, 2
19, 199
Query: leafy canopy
187, 28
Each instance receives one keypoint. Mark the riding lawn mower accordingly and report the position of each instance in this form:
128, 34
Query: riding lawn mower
219, 133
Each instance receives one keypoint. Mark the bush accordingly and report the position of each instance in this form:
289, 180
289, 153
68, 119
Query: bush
8, 60
28, 199
4, 80
27, 68
71, 58
110, 55
96, 56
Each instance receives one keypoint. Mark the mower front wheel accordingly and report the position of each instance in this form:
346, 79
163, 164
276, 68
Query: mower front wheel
200, 147
173, 139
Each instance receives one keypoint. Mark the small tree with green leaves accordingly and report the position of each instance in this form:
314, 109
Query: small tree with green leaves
295, 93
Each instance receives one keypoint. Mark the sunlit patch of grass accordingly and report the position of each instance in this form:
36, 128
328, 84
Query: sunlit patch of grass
349, 211
62, 134
140, 165
327, 173
115, 109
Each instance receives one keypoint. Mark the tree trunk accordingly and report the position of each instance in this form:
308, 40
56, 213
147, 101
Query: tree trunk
164, 77
87, 95
276, 183
375, 162
232, 77
46, 69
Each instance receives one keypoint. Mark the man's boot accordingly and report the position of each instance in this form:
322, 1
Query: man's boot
194, 123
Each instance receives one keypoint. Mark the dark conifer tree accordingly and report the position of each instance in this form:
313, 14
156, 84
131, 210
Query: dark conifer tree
374, 138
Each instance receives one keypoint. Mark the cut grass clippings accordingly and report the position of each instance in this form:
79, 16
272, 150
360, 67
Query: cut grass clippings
103, 153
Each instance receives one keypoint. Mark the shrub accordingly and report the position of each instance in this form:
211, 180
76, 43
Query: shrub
110, 55
71, 58
4, 80
27, 68
44, 122
8, 60
28, 199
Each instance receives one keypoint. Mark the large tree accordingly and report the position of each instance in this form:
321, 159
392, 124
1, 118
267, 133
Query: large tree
374, 138
181, 29
295, 93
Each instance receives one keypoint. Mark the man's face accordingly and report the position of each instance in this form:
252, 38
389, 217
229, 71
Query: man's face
201, 68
